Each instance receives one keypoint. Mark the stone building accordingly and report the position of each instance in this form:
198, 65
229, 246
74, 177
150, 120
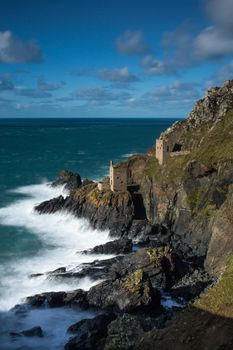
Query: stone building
163, 149
119, 177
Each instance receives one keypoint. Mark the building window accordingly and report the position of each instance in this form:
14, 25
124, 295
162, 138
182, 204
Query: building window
167, 148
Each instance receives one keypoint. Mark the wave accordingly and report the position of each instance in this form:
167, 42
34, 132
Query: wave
62, 234
54, 323
127, 155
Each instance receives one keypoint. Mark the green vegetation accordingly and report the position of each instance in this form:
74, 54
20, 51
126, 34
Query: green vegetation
193, 199
153, 169
218, 300
217, 143
216, 146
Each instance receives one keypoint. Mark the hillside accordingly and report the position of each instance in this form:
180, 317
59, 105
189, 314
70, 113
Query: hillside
181, 211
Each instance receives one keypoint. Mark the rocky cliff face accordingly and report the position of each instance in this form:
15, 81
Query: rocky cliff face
184, 203
182, 212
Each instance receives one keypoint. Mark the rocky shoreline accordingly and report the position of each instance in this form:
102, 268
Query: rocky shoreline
172, 240
146, 284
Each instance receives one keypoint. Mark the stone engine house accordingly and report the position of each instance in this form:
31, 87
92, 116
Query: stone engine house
120, 177
163, 150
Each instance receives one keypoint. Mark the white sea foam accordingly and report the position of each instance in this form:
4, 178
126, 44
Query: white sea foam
54, 323
168, 302
62, 235
130, 154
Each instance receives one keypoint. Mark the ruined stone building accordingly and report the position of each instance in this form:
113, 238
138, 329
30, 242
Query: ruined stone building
163, 149
120, 177
166, 148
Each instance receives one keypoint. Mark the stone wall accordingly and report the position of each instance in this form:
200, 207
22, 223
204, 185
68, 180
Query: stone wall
118, 177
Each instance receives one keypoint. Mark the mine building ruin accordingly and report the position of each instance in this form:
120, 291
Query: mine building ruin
120, 177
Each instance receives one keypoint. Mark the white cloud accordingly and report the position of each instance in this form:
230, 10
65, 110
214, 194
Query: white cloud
153, 66
117, 75
221, 13
132, 43
14, 50
212, 43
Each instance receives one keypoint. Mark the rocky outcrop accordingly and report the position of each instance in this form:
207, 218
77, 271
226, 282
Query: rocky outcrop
104, 210
124, 333
69, 180
119, 246
182, 211
32, 332
58, 299
133, 293
51, 206
181, 203
89, 333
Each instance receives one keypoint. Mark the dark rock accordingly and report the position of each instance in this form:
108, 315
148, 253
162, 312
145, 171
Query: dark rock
34, 275
104, 209
163, 267
58, 299
89, 332
69, 179
140, 229
120, 246
128, 294
57, 271
51, 206
32, 332
197, 169
98, 269
123, 333
191, 285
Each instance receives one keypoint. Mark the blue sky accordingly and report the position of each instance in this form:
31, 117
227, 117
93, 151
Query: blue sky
102, 58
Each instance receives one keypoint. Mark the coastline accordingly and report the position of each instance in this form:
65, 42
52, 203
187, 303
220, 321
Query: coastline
166, 219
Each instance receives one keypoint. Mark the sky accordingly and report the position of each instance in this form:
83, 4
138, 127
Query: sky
106, 58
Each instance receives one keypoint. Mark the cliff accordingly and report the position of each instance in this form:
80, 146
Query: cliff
182, 212
186, 202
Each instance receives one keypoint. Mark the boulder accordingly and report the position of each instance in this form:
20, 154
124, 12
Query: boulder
128, 294
58, 299
32, 332
119, 246
123, 333
51, 206
89, 332
69, 179
197, 169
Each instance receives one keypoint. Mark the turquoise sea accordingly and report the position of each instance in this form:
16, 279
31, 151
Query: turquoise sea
32, 152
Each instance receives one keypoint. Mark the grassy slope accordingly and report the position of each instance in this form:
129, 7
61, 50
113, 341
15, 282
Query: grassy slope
216, 145
207, 325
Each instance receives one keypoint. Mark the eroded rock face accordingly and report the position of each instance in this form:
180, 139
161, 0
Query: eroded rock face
32, 332
180, 202
123, 333
119, 246
129, 294
70, 180
105, 210
51, 206
89, 332
58, 299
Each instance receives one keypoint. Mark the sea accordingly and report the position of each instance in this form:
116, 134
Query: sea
32, 153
